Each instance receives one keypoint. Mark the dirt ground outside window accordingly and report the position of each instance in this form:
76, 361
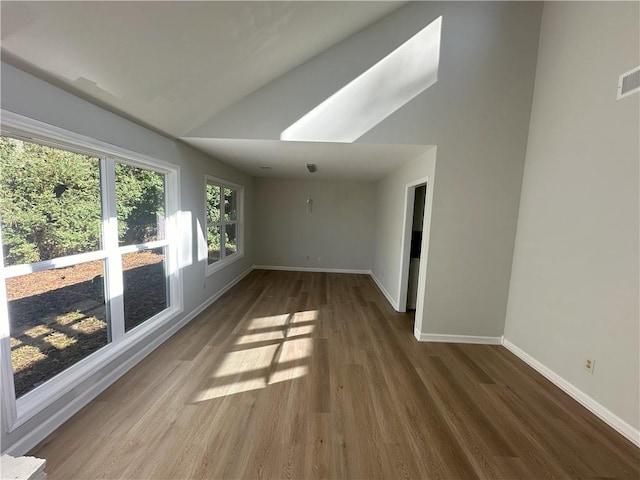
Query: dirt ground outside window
59, 317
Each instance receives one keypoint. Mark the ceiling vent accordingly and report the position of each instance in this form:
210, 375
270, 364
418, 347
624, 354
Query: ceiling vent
312, 167
629, 83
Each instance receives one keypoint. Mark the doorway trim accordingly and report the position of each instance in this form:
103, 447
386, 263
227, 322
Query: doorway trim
405, 249
405, 253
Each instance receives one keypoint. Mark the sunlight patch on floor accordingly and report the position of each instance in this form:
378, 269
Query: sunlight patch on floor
267, 322
246, 361
259, 337
252, 365
302, 323
293, 351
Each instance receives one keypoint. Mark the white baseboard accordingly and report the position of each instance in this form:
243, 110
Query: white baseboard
312, 269
388, 296
203, 306
38, 434
437, 337
585, 400
393, 303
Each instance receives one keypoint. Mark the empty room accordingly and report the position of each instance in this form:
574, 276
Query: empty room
320, 240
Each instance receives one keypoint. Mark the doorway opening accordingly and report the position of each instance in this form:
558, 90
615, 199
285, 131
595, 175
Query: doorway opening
415, 250
414, 235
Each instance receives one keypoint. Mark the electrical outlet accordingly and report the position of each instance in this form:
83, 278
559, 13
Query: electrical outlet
589, 364
319, 259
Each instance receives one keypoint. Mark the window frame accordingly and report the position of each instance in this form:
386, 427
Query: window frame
225, 259
19, 410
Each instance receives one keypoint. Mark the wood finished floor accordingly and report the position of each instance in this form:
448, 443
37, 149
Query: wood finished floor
313, 375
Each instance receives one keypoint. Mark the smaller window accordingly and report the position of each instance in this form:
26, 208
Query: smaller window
224, 223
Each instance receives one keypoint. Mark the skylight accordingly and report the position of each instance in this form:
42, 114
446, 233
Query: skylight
374, 95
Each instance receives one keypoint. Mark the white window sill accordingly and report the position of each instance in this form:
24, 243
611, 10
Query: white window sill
219, 265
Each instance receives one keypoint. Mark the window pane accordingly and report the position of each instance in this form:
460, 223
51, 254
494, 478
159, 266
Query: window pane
140, 205
231, 240
213, 203
145, 286
230, 204
213, 244
49, 202
57, 318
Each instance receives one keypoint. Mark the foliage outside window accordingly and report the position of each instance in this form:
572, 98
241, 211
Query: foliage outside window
50, 207
73, 284
223, 204
49, 201
140, 206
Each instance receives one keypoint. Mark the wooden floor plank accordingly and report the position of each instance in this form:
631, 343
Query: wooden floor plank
299, 375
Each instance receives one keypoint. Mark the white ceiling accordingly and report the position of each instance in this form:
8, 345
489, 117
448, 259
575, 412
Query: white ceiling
173, 65
344, 161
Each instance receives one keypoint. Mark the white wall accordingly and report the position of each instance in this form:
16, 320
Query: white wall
574, 289
478, 116
31, 97
337, 234
390, 222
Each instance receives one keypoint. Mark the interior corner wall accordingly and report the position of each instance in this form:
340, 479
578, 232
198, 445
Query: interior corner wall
336, 233
477, 114
575, 290
33, 98
390, 214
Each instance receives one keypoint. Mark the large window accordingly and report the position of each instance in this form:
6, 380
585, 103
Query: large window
224, 223
88, 261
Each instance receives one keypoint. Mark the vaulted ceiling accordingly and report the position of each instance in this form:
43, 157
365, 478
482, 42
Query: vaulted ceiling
172, 66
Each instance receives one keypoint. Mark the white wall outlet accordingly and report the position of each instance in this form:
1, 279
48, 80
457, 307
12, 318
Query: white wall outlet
589, 364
